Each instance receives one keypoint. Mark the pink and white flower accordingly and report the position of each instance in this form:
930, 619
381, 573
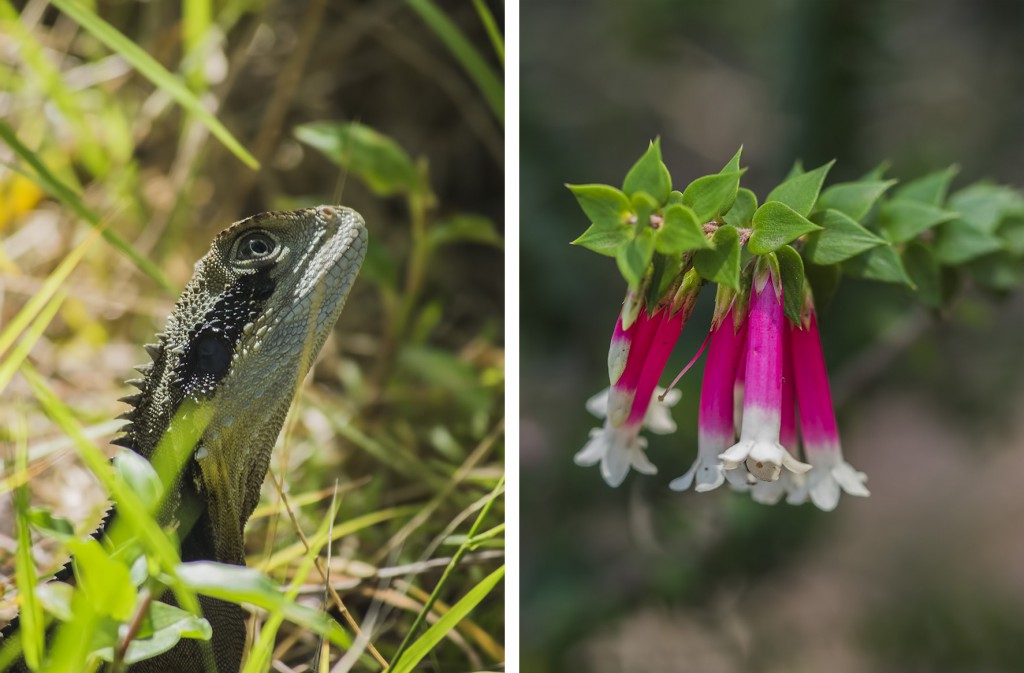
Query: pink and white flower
759, 449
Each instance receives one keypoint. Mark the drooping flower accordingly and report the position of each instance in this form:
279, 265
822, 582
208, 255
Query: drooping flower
645, 345
716, 424
759, 448
829, 472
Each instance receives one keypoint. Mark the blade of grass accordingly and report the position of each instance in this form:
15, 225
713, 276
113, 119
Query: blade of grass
31, 615
491, 26
155, 73
10, 364
48, 181
465, 53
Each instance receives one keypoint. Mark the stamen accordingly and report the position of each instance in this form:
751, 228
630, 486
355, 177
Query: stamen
700, 351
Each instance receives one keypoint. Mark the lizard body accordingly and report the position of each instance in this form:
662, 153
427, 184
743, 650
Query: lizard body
240, 340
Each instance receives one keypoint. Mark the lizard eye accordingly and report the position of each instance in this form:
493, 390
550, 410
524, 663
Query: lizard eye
255, 245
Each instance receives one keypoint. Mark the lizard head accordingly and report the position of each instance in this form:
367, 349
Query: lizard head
241, 338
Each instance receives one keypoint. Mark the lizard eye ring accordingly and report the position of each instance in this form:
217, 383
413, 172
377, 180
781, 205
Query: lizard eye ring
255, 245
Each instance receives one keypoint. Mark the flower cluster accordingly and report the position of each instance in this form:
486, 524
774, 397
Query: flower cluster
777, 367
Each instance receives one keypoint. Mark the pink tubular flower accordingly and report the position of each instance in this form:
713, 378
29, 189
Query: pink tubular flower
829, 472
759, 448
715, 424
770, 492
636, 359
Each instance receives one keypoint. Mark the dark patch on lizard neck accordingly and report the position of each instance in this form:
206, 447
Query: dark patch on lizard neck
211, 343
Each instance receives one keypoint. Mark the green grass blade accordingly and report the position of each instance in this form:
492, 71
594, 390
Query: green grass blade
476, 67
425, 643
31, 614
10, 364
491, 26
155, 73
49, 182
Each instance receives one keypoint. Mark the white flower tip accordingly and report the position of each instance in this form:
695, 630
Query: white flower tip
794, 465
682, 483
598, 404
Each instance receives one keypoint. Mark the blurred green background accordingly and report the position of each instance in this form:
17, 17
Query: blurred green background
928, 573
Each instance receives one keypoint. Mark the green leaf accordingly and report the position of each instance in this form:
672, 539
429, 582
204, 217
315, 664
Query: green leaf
999, 271
679, 232
791, 268
742, 209
902, 219
734, 163
603, 204
776, 224
56, 598
984, 205
140, 476
1012, 233
604, 240
372, 156
426, 643
149, 68
165, 627
664, 268
483, 75
882, 263
929, 189
674, 197
649, 175
721, 262
925, 273
634, 256
712, 195
801, 191
823, 281
958, 242
878, 172
795, 170
841, 239
379, 265
854, 198
644, 205
105, 581
464, 228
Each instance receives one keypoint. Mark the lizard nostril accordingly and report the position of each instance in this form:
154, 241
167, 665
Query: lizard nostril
328, 211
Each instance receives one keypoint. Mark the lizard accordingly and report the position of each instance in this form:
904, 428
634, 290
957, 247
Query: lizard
240, 340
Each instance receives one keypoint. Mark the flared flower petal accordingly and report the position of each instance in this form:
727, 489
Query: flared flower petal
616, 449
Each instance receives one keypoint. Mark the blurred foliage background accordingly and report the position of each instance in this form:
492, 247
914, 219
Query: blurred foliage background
926, 574
393, 108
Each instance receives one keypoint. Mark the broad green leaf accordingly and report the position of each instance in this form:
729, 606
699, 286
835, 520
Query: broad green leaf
55, 597
138, 474
776, 224
925, 273
721, 262
902, 219
51, 525
106, 581
1012, 233
674, 197
464, 228
483, 75
796, 169
634, 256
426, 643
984, 205
373, 157
712, 195
791, 268
823, 281
604, 239
166, 625
882, 263
958, 242
155, 73
839, 240
998, 271
742, 209
603, 204
649, 175
854, 198
679, 232
734, 163
801, 191
929, 189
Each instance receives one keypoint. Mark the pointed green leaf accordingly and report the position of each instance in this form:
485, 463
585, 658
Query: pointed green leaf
603, 204
958, 242
776, 224
634, 256
998, 271
721, 262
791, 268
854, 198
984, 205
464, 228
649, 175
1012, 233
823, 281
665, 268
734, 163
903, 219
882, 263
878, 172
795, 170
712, 195
742, 209
801, 191
679, 232
925, 273
841, 239
605, 240
106, 581
929, 189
